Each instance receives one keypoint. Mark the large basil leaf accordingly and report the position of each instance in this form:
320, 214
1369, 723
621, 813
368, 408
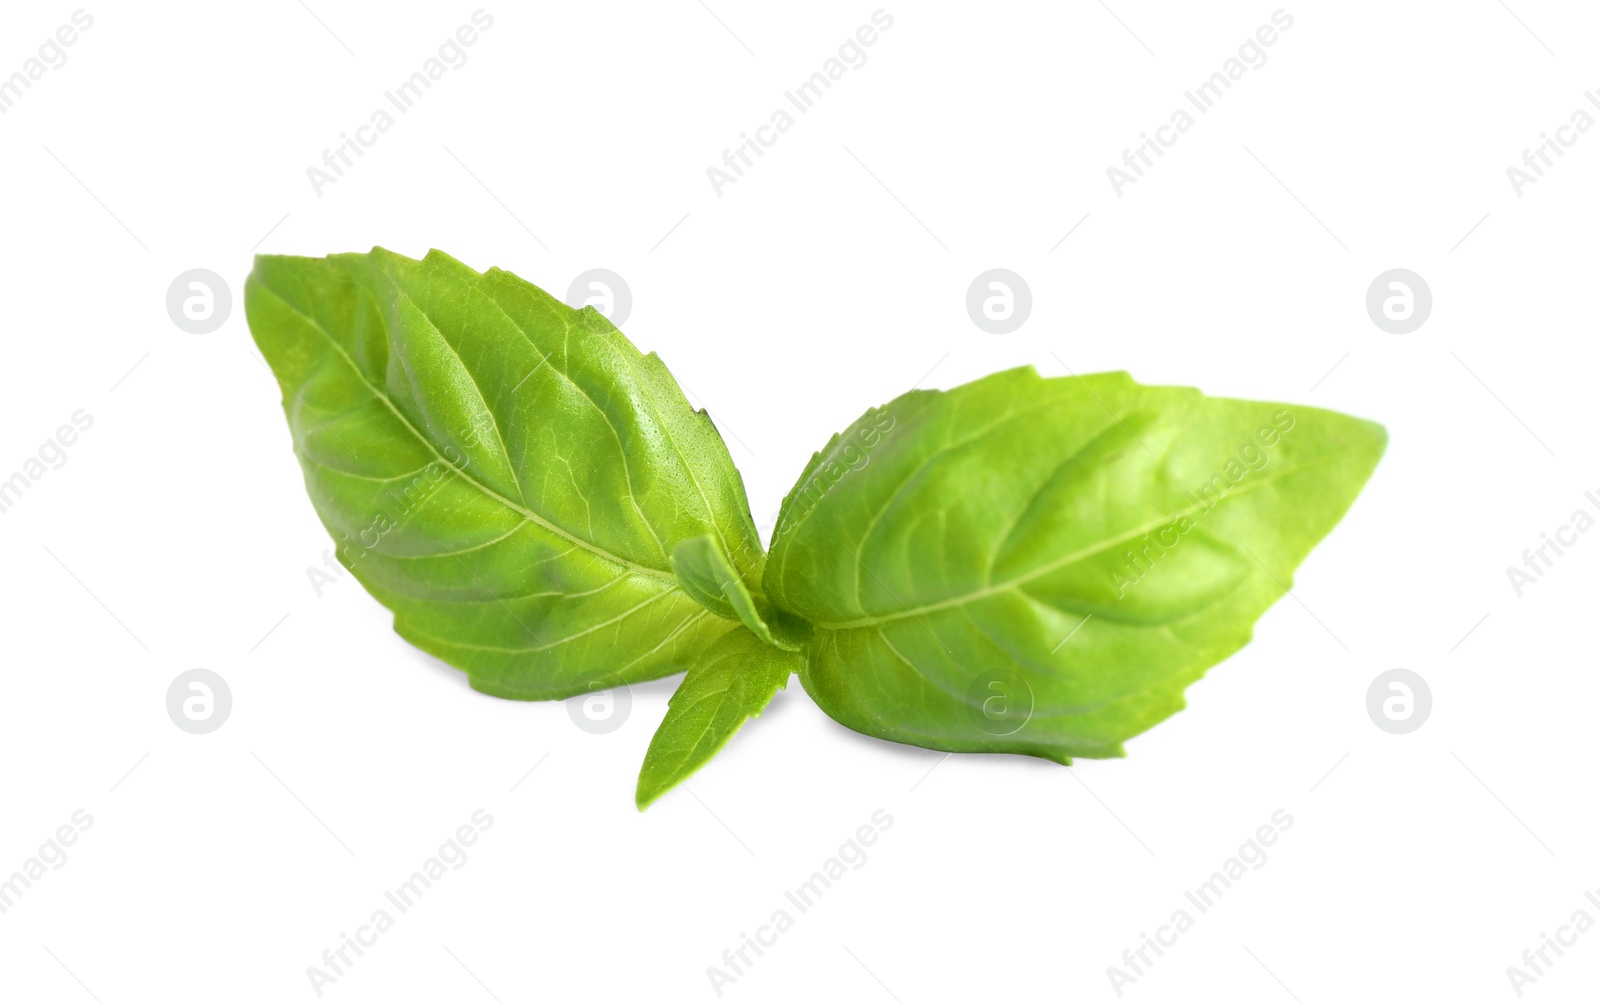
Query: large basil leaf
1042, 566
729, 683
508, 475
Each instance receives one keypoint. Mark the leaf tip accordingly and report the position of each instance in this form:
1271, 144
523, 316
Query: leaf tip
1378, 433
646, 793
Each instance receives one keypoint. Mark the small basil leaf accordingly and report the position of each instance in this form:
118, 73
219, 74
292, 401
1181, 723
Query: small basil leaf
729, 683
705, 573
508, 475
1042, 566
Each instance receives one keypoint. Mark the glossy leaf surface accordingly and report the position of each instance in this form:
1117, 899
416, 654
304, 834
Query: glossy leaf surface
727, 685
508, 475
1042, 566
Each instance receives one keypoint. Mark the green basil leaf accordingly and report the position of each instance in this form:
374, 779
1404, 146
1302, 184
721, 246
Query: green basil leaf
729, 683
706, 574
1042, 566
506, 474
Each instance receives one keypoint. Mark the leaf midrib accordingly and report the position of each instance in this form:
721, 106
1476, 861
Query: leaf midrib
648, 395
527, 514
544, 359
995, 589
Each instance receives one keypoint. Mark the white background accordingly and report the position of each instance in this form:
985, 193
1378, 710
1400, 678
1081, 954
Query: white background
830, 278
